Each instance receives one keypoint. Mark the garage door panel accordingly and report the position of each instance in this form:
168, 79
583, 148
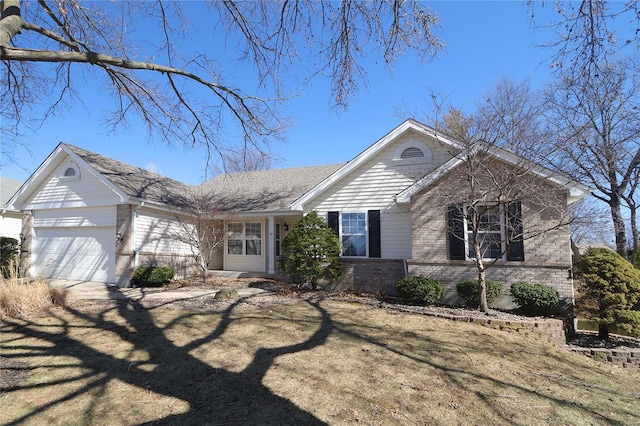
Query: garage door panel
77, 253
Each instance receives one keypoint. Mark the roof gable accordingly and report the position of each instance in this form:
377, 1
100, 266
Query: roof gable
577, 191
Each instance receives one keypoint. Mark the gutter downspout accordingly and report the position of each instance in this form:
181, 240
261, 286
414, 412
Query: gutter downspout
406, 267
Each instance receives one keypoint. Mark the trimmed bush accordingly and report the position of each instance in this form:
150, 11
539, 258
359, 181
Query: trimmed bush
421, 290
609, 291
311, 252
535, 299
152, 276
469, 290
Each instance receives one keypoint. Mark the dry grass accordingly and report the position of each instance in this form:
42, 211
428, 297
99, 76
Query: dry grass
311, 362
23, 297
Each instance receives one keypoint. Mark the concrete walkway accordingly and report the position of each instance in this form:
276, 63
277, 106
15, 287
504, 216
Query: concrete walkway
86, 290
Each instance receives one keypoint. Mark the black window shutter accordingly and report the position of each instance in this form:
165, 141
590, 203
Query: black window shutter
456, 232
515, 251
332, 221
374, 233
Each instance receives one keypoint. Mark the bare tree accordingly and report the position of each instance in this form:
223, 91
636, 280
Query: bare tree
199, 228
489, 189
590, 32
50, 49
595, 126
246, 159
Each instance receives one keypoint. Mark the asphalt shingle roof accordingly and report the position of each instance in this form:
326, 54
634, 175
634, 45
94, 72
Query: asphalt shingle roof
8, 187
137, 182
265, 190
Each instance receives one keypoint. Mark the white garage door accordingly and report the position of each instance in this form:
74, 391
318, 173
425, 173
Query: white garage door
76, 253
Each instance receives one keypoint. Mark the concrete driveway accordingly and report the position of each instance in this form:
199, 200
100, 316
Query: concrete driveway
87, 290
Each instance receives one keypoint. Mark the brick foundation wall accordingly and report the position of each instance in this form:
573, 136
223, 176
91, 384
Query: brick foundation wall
371, 275
452, 272
184, 266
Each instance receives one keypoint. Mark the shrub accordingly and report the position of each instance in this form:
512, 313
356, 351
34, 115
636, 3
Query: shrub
311, 252
8, 254
609, 290
469, 290
152, 276
535, 299
20, 296
421, 289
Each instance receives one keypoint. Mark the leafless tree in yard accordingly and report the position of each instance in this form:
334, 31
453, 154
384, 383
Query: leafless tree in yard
200, 227
49, 50
489, 188
595, 136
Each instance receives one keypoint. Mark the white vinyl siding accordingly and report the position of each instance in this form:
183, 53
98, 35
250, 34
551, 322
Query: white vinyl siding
58, 192
160, 233
89, 216
11, 225
372, 186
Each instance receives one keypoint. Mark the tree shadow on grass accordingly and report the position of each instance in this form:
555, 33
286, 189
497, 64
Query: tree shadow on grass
214, 395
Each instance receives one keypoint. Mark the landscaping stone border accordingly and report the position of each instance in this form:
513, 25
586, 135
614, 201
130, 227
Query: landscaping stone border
627, 358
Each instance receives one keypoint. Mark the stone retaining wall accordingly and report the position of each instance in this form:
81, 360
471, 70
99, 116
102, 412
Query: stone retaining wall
547, 329
627, 358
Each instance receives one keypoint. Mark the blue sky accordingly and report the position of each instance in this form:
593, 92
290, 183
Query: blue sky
485, 41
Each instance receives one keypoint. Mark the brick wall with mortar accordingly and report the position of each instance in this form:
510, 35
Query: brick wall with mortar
546, 246
184, 266
25, 243
124, 254
371, 275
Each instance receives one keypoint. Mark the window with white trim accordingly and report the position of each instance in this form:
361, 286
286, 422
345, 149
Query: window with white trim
244, 238
354, 234
490, 232
70, 172
499, 231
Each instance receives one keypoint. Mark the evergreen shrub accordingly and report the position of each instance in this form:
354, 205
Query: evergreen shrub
152, 276
421, 289
535, 299
469, 290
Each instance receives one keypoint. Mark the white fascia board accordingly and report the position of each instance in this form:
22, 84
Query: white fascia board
36, 178
366, 155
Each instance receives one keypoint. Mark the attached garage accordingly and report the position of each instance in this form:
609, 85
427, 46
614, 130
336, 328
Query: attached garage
75, 253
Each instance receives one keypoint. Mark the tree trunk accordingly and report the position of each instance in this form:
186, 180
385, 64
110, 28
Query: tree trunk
634, 229
482, 284
618, 226
603, 331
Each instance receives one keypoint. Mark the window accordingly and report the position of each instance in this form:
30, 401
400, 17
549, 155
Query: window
490, 232
499, 231
359, 233
244, 238
354, 234
70, 172
277, 239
